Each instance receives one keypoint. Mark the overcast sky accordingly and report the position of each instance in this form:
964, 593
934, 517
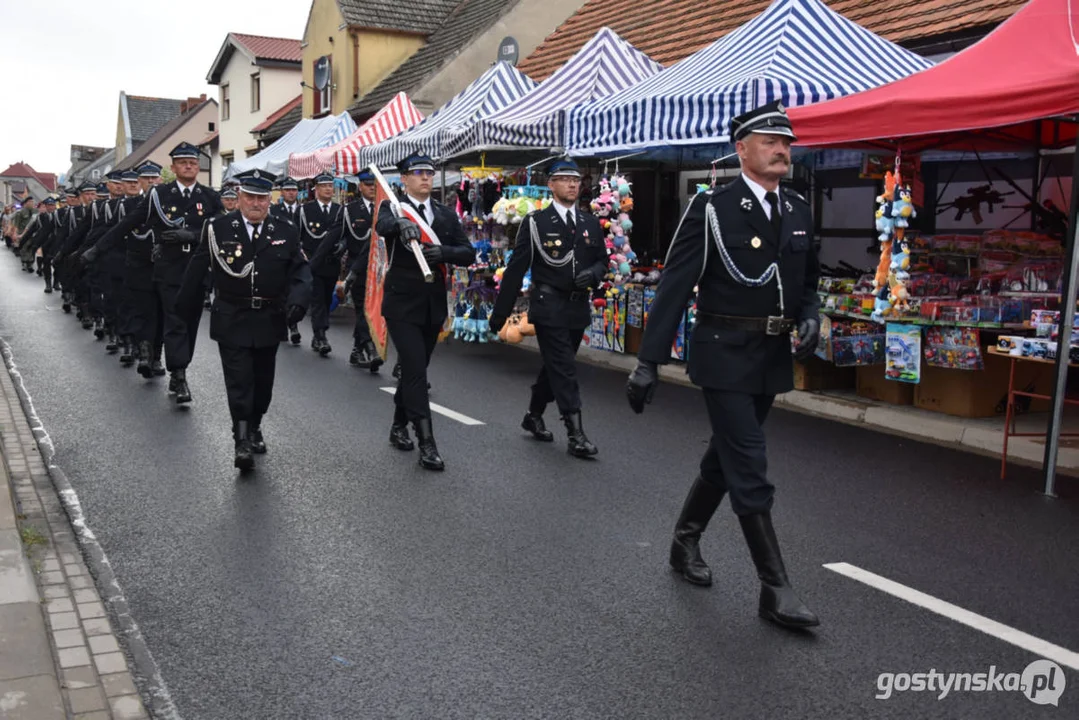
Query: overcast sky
66, 62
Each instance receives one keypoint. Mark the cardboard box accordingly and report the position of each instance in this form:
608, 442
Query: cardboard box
982, 393
873, 385
817, 374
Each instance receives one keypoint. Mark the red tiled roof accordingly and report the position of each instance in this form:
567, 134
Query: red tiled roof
276, 114
670, 30
22, 170
208, 139
270, 48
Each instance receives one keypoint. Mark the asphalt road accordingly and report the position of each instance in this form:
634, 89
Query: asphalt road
522, 582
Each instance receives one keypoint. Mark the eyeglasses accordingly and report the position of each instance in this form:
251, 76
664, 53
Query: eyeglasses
423, 173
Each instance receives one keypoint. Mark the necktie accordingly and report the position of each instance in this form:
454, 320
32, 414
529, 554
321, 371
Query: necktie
423, 215
187, 193
325, 209
773, 202
569, 222
255, 232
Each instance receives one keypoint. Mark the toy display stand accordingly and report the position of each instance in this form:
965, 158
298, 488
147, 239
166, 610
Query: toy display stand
1010, 415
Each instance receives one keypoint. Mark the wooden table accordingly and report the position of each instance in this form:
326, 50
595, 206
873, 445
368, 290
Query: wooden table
1009, 417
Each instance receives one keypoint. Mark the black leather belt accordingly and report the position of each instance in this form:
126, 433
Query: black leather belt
572, 296
247, 301
771, 325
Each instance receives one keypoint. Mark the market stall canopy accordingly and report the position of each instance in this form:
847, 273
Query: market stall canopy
308, 135
606, 64
489, 93
986, 97
796, 51
394, 118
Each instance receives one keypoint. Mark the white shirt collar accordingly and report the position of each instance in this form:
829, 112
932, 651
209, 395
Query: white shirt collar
563, 209
183, 187
251, 227
759, 192
427, 209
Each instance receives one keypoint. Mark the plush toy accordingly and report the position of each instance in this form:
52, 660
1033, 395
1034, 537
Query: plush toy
903, 211
625, 222
526, 328
881, 306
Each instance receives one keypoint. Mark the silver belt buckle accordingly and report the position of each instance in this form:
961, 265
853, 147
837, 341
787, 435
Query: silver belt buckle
774, 325
256, 303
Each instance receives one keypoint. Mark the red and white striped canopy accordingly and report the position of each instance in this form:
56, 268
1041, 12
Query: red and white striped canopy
394, 118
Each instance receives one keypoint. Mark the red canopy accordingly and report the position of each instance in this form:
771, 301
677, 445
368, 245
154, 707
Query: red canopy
988, 96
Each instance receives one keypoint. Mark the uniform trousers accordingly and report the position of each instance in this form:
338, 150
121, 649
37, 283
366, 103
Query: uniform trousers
46, 270
179, 330
736, 461
361, 334
557, 381
415, 344
249, 376
145, 317
321, 299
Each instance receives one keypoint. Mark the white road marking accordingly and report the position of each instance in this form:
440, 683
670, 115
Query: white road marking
451, 414
1062, 656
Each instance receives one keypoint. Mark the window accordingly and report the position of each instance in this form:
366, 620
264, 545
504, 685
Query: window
256, 94
211, 127
224, 102
226, 160
95, 174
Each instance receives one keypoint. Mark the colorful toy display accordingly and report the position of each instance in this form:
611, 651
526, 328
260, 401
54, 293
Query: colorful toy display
955, 348
903, 353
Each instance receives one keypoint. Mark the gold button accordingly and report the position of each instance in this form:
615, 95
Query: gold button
755, 242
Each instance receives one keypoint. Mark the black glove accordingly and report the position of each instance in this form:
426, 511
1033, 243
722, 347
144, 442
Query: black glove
179, 236
432, 253
642, 385
808, 336
584, 280
350, 280
88, 257
409, 230
295, 314
496, 323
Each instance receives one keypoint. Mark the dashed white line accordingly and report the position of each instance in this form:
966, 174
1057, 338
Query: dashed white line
1044, 648
451, 414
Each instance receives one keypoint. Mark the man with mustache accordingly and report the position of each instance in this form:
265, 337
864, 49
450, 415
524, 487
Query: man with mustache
748, 247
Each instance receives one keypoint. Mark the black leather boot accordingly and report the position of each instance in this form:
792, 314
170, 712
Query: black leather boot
183, 392
429, 457
533, 421
399, 431
700, 505
355, 358
111, 346
99, 328
144, 367
779, 603
254, 435
127, 352
325, 348
244, 460
579, 444
294, 334
156, 365
373, 358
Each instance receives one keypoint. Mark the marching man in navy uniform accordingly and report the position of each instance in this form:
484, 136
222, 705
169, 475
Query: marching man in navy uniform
564, 247
262, 283
321, 219
288, 207
749, 248
415, 310
175, 213
355, 239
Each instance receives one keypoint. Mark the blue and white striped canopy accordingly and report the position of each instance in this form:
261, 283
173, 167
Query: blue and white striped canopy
796, 51
489, 93
606, 64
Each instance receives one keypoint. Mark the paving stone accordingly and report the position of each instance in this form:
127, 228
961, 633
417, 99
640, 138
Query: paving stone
80, 582
73, 569
86, 700
59, 605
99, 715
113, 662
52, 577
118, 684
68, 638
24, 644
79, 677
69, 558
127, 707
91, 610
97, 626
73, 657
63, 621
31, 698
86, 595
101, 644
51, 565
54, 592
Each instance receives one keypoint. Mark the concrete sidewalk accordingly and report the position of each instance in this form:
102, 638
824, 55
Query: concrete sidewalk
982, 436
59, 656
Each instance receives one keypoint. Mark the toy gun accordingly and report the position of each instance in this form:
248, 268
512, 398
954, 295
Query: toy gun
972, 202
1053, 218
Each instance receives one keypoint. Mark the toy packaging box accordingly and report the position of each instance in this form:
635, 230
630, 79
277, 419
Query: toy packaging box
678, 347
955, 348
635, 305
903, 353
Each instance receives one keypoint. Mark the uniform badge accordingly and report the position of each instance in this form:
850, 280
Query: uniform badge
229, 259
239, 251
558, 243
172, 209
554, 253
277, 242
799, 232
235, 223
747, 204
787, 204
755, 242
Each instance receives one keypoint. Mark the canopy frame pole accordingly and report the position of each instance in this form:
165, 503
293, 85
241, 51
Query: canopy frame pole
1067, 317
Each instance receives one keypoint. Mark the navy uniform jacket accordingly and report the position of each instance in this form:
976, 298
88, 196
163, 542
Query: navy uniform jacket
316, 226
355, 230
75, 229
52, 244
728, 358
555, 256
278, 209
273, 268
164, 208
406, 296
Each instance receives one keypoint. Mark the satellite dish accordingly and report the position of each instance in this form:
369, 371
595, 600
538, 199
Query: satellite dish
508, 50
322, 72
